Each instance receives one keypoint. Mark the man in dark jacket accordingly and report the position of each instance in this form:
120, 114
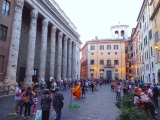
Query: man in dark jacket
155, 95
58, 102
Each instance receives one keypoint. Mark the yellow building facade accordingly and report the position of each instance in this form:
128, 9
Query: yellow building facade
143, 43
105, 58
155, 18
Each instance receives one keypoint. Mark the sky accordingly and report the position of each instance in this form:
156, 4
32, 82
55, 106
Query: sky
94, 17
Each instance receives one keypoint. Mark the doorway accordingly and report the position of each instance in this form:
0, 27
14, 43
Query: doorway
109, 75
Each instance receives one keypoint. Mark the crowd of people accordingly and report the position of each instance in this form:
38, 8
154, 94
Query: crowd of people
145, 96
27, 98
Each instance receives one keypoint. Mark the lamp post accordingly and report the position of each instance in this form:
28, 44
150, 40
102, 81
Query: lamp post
156, 47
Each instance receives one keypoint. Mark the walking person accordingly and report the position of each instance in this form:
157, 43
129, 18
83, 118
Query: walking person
83, 91
27, 99
155, 95
46, 104
35, 100
92, 86
119, 91
58, 102
17, 99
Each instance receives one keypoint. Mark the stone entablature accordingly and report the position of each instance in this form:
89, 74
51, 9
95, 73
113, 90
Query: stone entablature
60, 32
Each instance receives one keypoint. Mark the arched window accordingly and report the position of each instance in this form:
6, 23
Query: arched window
92, 47
116, 34
101, 47
122, 33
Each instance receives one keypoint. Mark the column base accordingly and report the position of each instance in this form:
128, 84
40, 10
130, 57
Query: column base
9, 85
27, 81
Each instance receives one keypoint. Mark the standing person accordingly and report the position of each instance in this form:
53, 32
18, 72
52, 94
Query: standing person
46, 105
119, 91
35, 100
83, 91
27, 98
155, 95
17, 99
96, 85
125, 89
92, 86
21, 104
58, 103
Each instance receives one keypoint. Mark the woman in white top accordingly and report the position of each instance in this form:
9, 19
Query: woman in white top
119, 90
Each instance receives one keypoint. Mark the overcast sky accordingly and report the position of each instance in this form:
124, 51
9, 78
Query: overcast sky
94, 17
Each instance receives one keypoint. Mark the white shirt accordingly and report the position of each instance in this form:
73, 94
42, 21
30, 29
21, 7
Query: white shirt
135, 99
144, 97
119, 88
35, 100
18, 90
150, 92
55, 85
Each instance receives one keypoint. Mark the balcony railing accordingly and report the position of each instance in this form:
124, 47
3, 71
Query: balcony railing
109, 66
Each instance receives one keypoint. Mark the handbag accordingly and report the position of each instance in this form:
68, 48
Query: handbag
38, 115
31, 102
26, 99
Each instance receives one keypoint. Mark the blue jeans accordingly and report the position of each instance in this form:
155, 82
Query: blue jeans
155, 100
58, 114
119, 95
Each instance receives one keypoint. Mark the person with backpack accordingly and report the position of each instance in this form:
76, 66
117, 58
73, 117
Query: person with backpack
58, 102
46, 100
27, 99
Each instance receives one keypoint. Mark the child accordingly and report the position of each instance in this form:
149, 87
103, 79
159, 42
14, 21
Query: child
21, 104
35, 100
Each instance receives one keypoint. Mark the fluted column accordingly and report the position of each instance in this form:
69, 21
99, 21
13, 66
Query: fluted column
10, 78
31, 47
64, 60
69, 54
43, 50
59, 55
74, 61
52, 50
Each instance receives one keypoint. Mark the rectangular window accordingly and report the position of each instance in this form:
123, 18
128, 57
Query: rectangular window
101, 75
130, 71
156, 37
141, 46
116, 70
1, 63
152, 65
155, 21
129, 64
108, 62
151, 51
150, 34
115, 53
101, 62
108, 47
3, 32
146, 40
116, 47
129, 56
92, 62
116, 62
6, 7
92, 53
116, 76
101, 53
108, 53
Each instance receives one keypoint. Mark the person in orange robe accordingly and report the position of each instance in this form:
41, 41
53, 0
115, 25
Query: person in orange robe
76, 91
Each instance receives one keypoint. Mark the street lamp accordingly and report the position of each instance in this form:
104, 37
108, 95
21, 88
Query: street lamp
156, 47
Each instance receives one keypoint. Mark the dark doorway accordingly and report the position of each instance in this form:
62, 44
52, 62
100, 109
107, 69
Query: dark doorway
21, 74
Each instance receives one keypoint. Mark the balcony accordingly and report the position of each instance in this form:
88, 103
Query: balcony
109, 66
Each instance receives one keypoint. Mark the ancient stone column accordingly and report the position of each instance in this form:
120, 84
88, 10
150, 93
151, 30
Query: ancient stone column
59, 55
64, 60
31, 47
43, 50
69, 54
73, 61
52, 50
10, 78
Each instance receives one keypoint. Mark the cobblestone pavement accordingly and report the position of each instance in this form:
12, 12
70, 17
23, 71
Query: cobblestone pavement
99, 105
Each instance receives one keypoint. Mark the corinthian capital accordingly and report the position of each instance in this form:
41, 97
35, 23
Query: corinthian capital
65, 38
19, 3
45, 22
53, 29
34, 13
60, 34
